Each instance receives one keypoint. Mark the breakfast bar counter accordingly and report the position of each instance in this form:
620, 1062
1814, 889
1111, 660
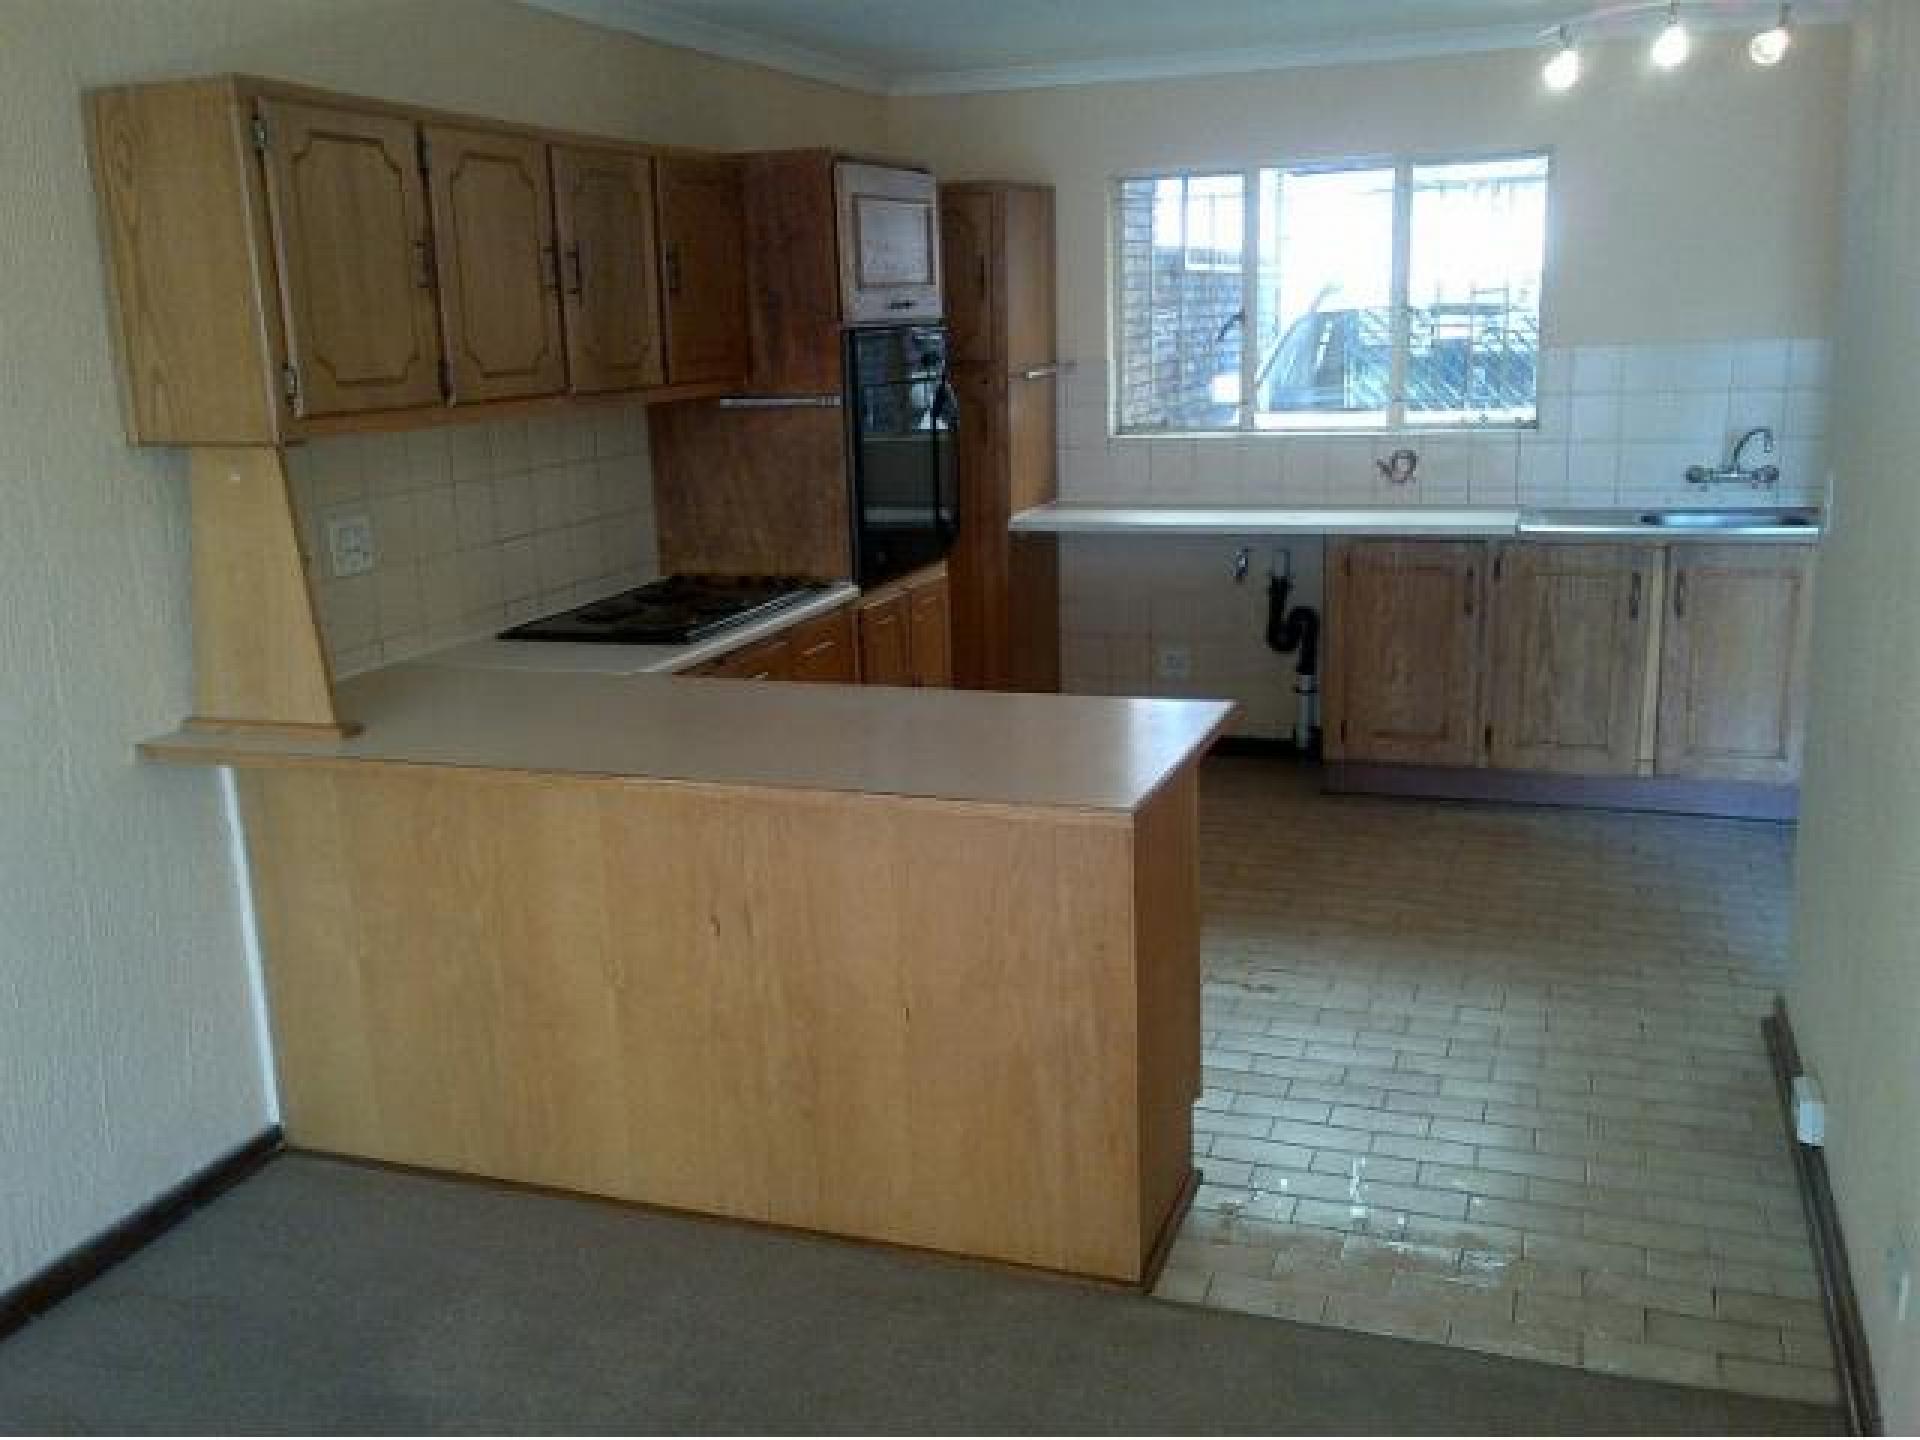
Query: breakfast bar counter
914, 966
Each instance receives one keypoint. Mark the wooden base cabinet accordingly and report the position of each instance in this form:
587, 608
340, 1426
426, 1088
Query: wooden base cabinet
905, 632
1406, 651
1733, 663
1675, 662
1571, 657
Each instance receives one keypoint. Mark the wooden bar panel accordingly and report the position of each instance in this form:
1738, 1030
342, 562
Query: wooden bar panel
967, 1028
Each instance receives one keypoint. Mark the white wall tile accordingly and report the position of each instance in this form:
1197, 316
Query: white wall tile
1542, 471
1595, 417
1170, 469
1760, 364
1809, 364
1593, 473
1216, 471
1496, 470
1596, 369
1806, 417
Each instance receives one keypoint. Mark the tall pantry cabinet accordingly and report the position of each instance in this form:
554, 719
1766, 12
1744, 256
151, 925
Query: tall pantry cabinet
997, 258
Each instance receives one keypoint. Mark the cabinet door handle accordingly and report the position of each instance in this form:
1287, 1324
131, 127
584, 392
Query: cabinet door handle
1633, 598
574, 282
549, 269
1473, 578
1680, 596
673, 270
1040, 372
423, 263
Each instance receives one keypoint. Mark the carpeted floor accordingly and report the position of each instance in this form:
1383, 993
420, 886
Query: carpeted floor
335, 1298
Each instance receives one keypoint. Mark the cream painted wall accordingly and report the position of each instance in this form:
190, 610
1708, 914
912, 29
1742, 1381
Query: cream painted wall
1855, 1000
1693, 207
128, 1056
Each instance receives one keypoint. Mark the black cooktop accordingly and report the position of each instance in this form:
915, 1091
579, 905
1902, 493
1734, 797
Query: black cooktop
675, 611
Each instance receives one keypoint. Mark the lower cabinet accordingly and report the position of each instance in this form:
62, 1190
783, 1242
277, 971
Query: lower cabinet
1574, 658
768, 660
1733, 666
1403, 680
906, 632
820, 650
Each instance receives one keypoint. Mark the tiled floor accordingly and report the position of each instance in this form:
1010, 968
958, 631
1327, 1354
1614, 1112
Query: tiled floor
1494, 1078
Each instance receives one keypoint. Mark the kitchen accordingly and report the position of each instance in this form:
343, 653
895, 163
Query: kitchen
365, 547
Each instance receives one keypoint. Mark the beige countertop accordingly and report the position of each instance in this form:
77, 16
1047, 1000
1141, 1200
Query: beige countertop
1413, 521
1072, 751
582, 658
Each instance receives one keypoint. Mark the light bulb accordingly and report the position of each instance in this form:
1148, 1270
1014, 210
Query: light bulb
1670, 48
1769, 47
1562, 72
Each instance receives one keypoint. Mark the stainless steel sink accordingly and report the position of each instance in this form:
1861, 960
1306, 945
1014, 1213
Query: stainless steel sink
1783, 523
1746, 520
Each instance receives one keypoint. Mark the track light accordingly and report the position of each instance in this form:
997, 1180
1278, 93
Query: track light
1670, 47
1769, 47
1562, 72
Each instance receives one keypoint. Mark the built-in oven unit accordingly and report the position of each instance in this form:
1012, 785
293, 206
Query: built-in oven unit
902, 449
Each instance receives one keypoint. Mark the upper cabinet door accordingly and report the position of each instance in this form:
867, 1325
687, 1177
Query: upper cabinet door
1733, 661
968, 258
609, 269
1028, 278
703, 256
499, 284
1403, 678
1571, 628
355, 266
889, 244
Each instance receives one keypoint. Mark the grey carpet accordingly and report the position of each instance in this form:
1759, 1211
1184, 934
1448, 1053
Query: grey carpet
328, 1297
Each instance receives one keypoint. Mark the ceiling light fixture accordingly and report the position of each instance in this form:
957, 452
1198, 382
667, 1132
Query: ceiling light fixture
1562, 72
1769, 47
1670, 47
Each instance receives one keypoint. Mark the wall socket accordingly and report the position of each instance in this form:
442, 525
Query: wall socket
350, 545
1173, 662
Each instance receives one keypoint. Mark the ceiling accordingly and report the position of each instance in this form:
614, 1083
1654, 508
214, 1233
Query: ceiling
936, 46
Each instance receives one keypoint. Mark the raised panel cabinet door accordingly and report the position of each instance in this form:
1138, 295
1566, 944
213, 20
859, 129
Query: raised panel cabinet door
1571, 633
886, 657
609, 269
1405, 650
968, 258
498, 274
823, 650
349, 218
930, 642
1733, 662
701, 210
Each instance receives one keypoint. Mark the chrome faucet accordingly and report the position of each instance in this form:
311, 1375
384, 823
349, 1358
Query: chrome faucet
1736, 471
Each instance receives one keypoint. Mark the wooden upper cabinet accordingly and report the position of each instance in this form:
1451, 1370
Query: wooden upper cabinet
497, 270
970, 263
889, 243
703, 264
1403, 674
1733, 662
609, 268
1571, 639
930, 642
349, 219
794, 273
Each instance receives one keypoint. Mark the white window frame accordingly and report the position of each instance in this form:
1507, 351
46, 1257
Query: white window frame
1398, 301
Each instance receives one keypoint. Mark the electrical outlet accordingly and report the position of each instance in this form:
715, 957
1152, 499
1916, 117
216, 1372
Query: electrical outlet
1173, 662
350, 545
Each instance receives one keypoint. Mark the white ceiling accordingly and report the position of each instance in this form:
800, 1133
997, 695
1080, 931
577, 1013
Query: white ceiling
933, 46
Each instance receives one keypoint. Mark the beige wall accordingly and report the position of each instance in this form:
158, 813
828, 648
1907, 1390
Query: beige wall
1856, 996
128, 1053
1691, 207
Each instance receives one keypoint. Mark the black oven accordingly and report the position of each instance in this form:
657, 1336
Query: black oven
902, 434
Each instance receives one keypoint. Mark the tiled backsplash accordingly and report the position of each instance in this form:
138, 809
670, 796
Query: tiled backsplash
475, 526
1619, 425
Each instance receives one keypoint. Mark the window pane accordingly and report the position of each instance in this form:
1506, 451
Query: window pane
1324, 298
1478, 233
1180, 328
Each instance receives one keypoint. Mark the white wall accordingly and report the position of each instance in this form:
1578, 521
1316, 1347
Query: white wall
1855, 998
1692, 246
128, 1056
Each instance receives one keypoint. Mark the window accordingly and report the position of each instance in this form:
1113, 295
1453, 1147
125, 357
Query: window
1381, 296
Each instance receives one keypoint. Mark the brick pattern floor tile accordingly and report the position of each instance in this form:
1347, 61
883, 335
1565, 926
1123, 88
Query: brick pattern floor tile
1493, 1077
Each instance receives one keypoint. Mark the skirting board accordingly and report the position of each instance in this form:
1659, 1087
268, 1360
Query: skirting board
41, 1292
1844, 1328
1727, 798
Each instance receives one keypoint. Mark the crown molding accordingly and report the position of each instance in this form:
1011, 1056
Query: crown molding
669, 27
1603, 23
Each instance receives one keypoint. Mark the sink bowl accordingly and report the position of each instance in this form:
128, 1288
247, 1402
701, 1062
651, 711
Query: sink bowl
1729, 519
